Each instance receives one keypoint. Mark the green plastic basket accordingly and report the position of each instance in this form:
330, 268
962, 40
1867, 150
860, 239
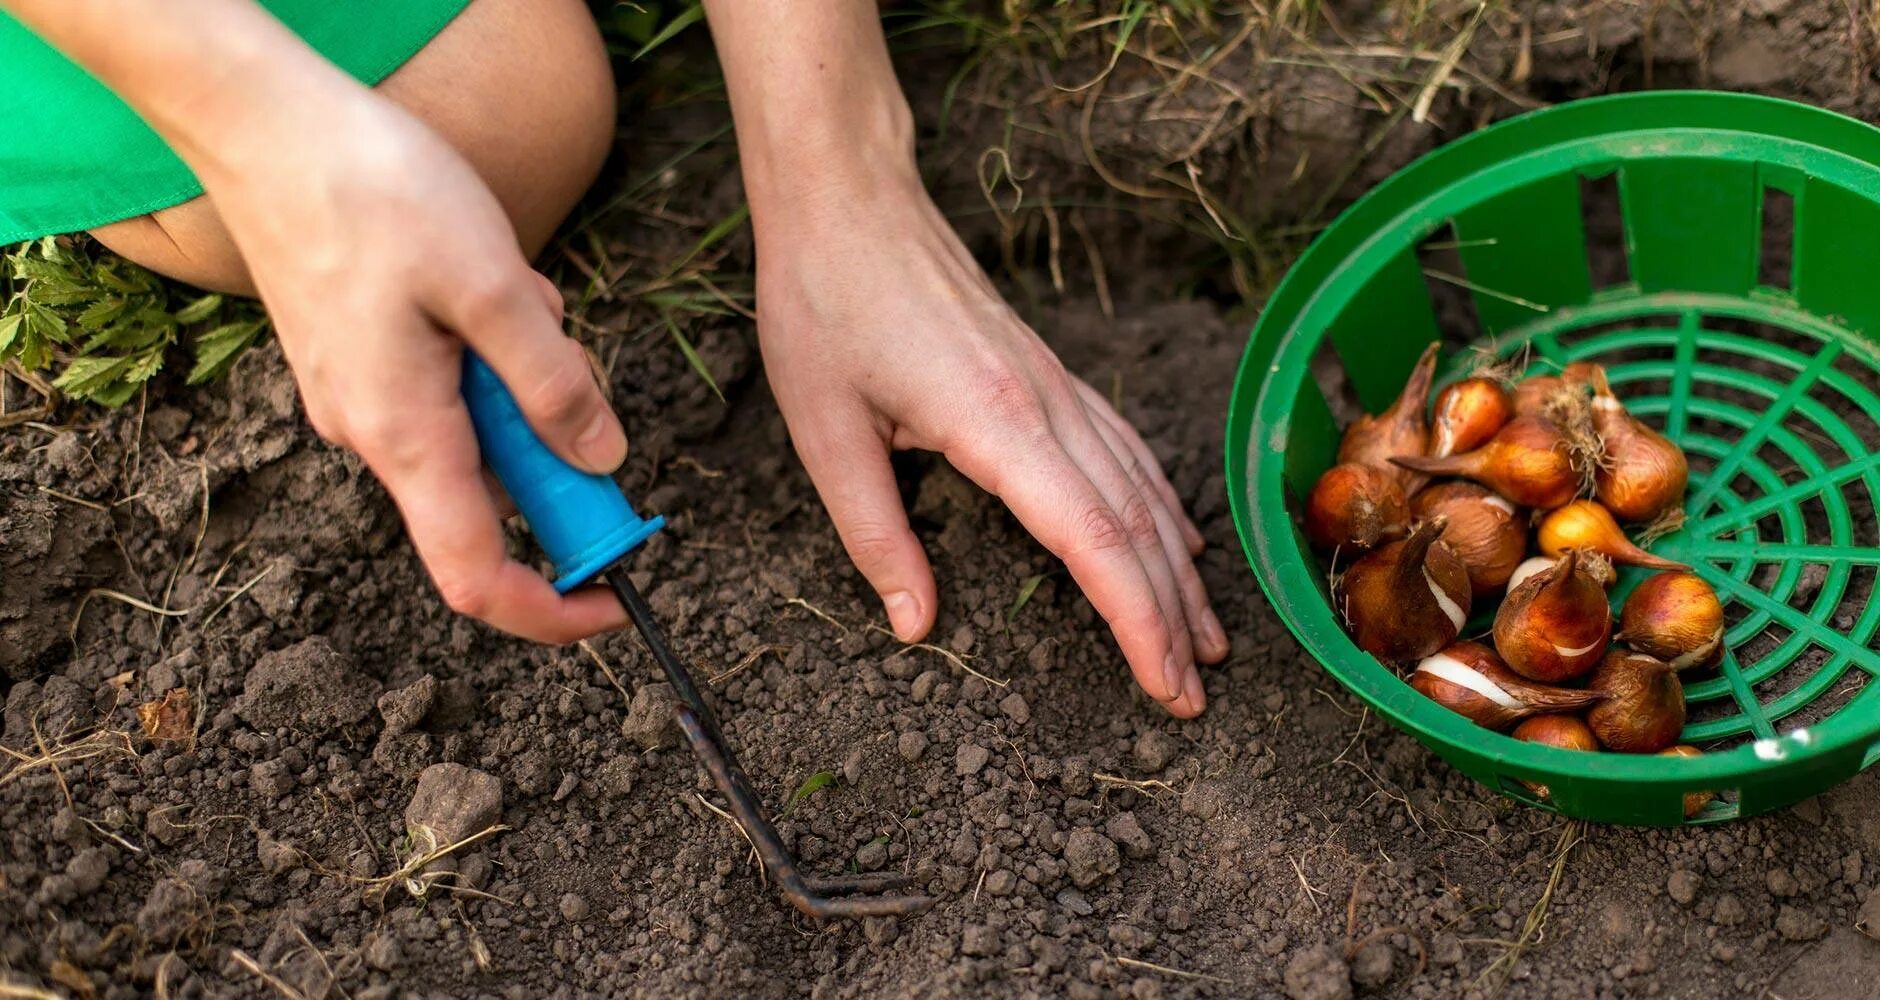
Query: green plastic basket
1731, 284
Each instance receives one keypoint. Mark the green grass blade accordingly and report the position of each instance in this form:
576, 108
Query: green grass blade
691, 356
1025, 591
687, 18
810, 786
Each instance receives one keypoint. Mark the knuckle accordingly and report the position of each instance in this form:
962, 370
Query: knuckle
1012, 399
480, 293
463, 595
872, 546
1098, 529
1138, 519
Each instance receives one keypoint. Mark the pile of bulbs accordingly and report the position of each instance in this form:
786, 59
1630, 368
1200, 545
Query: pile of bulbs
1520, 457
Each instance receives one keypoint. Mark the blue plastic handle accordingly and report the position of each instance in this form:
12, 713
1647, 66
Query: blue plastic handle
582, 521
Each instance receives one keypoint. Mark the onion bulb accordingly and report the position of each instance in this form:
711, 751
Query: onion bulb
1469, 679
1467, 414
1408, 599
1694, 802
1644, 707
1354, 507
1554, 627
1399, 430
1529, 461
1487, 532
1587, 526
1675, 617
1642, 473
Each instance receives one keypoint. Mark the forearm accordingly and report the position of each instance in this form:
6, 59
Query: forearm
213, 77
818, 110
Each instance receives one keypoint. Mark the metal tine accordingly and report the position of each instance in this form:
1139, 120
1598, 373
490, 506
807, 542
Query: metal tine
812, 896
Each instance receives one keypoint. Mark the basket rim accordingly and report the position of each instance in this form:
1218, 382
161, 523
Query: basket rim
1262, 520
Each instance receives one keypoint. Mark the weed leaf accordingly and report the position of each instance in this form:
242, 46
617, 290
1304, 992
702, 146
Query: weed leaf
810, 786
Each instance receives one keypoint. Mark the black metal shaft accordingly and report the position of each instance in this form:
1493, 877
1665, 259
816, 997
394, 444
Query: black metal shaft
701, 730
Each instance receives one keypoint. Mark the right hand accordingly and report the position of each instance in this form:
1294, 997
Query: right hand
381, 256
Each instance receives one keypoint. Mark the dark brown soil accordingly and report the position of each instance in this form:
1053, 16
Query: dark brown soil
1081, 842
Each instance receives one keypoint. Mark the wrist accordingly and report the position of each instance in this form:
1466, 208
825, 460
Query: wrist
832, 161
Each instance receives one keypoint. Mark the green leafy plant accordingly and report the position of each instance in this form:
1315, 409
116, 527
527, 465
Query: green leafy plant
810, 786
106, 324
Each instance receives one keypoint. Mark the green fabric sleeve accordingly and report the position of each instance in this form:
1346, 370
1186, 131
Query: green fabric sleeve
73, 156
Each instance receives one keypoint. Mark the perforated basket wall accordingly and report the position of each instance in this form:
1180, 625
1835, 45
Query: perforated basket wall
1720, 254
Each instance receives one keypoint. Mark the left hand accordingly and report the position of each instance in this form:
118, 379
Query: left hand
880, 332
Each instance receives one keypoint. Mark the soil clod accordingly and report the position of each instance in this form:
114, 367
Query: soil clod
309, 686
453, 802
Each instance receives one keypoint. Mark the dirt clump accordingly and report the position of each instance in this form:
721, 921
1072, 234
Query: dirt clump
454, 802
309, 685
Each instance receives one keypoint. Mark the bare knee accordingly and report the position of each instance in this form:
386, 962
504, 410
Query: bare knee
521, 88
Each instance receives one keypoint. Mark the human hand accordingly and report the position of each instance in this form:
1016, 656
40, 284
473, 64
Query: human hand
381, 255
880, 332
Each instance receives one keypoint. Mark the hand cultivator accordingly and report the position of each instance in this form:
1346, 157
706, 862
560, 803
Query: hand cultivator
585, 525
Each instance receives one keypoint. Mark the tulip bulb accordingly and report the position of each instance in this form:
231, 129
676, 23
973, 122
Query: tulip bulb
1644, 707
1533, 396
1591, 563
1587, 526
1467, 414
1553, 628
1487, 532
1399, 430
1469, 679
1528, 461
1564, 732
1408, 599
1643, 473
1525, 572
1354, 507
1694, 802
1675, 617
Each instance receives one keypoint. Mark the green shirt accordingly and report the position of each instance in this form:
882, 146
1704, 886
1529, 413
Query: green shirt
73, 156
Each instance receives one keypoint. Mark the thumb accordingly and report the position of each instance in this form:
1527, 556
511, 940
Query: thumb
849, 465
512, 325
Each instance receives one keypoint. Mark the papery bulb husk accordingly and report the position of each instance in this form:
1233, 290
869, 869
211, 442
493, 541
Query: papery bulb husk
1676, 617
1644, 707
1694, 802
1642, 473
1587, 526
1527, 461
1399, 430
1467, 414
1564, 732
1528, 569
1531, 396
1487, 532
1355, 507
1554, 627
1407, 599
1469, 679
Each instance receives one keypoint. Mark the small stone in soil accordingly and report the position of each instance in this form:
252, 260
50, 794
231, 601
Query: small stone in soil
1127, 831
1014, 707
1868, 922
454, 802
1091, 857
1154, 749
911, 746
969, 758
1682, 885
649, 721
1318, 973
1075, 902
403, 708
573, 908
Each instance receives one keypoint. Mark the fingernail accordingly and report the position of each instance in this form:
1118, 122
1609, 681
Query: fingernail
601, 444
1197, 698
903, 614
1216, 635
1171, 678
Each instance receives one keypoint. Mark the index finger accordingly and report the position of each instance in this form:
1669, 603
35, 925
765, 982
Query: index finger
438, 485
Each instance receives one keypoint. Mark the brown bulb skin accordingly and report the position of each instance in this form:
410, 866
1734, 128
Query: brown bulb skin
1587, 526
1407, 599
1399, 430
1529, 461
1487, 532
1467, 414
1353, 507
1531, 396
1563, 732
1694, 802
1675, 617
1469, 679
1554, 627
1644, 473
1644, 707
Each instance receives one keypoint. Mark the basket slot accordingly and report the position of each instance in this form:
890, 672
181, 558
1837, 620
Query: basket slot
1309, 441
1525, 252
1778, 238
1837, 240
1384, 328
1691, 225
